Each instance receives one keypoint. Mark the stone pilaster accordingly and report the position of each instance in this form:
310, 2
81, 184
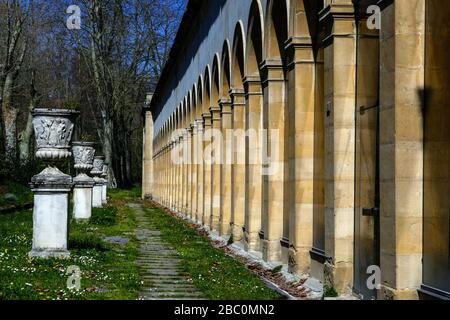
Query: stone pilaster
305, 154
216, 174
275, 216
194, 171
340, 93
226, 167
200, 174
253, 122
179, 177
238, 165
207, 205
402, 76
188, 174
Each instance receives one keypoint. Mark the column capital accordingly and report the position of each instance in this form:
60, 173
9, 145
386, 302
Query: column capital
252, 85
207, 119
272, 70
338, 21
226, 106
299, 50
237, 98
215, 113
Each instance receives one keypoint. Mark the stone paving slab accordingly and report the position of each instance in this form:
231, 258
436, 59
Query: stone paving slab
160, 265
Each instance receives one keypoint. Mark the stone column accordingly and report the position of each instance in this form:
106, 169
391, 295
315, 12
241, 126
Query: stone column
179, 177
167, 164
200, 174
402, 56
188, 173
171, 177
97, 193
53, 132
194, 170
238, 166
253, 122
216, 175
83, 153
275, 217
207, 171
340, 93
306, 155
226, 167
147, 176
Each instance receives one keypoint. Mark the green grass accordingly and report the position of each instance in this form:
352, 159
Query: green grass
23, 193
108, 271
218, 276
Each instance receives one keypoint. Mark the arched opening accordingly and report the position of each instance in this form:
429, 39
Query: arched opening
238, 103
207, 91
253, 123
226, 127
216, 142
207, 206
275, 222
226, 70
199, 107
238, 65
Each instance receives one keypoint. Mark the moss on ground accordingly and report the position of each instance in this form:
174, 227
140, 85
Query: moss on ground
217, 275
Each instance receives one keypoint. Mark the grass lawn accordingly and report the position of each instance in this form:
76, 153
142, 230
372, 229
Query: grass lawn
108, 271
218, 276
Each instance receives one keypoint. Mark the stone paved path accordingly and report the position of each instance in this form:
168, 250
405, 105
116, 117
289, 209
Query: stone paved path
160, 265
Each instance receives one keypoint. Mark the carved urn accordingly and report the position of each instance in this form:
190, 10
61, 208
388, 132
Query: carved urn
83, 154
98, 166
53, 131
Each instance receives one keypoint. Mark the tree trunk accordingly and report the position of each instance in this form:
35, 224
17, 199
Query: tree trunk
108, 147
10, 120
25, 139
26, 135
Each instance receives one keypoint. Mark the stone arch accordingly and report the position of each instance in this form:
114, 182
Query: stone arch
226, 69
207, 90
255, 40
215, 80
190, 104
276, 29
238, 57
199, 96
304, 20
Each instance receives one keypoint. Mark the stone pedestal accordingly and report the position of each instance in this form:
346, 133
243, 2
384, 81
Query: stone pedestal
97, 172
53, 133
50, 214
82, 197
97, 193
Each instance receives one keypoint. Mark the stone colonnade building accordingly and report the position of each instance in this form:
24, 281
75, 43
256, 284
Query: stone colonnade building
362, 150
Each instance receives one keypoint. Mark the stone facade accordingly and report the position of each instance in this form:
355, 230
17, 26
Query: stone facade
339, 153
